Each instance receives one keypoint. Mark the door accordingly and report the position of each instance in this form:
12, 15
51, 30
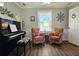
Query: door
74, 26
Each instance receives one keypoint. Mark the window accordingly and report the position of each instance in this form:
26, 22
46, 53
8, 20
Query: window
44, 22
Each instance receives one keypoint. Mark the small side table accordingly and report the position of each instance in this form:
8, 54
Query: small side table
46, 38
22, 43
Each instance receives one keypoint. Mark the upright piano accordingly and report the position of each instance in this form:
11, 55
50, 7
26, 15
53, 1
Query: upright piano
10, 33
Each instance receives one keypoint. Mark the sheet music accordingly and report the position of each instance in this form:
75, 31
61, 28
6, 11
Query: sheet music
13, 28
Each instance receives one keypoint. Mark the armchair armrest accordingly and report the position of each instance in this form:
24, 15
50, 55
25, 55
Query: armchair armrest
60, 35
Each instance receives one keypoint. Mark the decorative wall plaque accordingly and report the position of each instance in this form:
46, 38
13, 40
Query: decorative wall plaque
60, 17
73, 16
4, 11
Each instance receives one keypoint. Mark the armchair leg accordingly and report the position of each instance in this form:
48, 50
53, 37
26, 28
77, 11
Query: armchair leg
43, 44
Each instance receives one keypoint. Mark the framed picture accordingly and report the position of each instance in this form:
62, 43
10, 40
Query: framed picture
32, 18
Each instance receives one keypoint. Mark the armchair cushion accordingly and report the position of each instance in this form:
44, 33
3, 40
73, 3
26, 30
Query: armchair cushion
38, 37
38, 34
55, 37
56, 33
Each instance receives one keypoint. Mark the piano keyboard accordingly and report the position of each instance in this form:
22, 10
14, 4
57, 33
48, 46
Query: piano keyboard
16, 35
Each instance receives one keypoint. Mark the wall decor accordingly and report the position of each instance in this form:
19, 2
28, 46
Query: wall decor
11, 15
23, 25
5, 11
60, 17
32, 18
73, 16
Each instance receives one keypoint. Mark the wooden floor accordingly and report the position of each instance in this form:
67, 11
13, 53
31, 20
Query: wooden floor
64, 49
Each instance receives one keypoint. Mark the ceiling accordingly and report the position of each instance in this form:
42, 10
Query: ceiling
44, 4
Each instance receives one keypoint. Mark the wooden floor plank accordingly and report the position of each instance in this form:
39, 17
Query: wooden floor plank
64, 49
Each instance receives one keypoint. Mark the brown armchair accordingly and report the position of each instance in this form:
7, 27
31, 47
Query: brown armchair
37, 36
55, 36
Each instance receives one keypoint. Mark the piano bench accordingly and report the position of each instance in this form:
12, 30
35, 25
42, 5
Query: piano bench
23, 43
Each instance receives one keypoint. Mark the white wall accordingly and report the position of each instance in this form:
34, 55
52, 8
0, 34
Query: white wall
13, 8
26, 13
74, 26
